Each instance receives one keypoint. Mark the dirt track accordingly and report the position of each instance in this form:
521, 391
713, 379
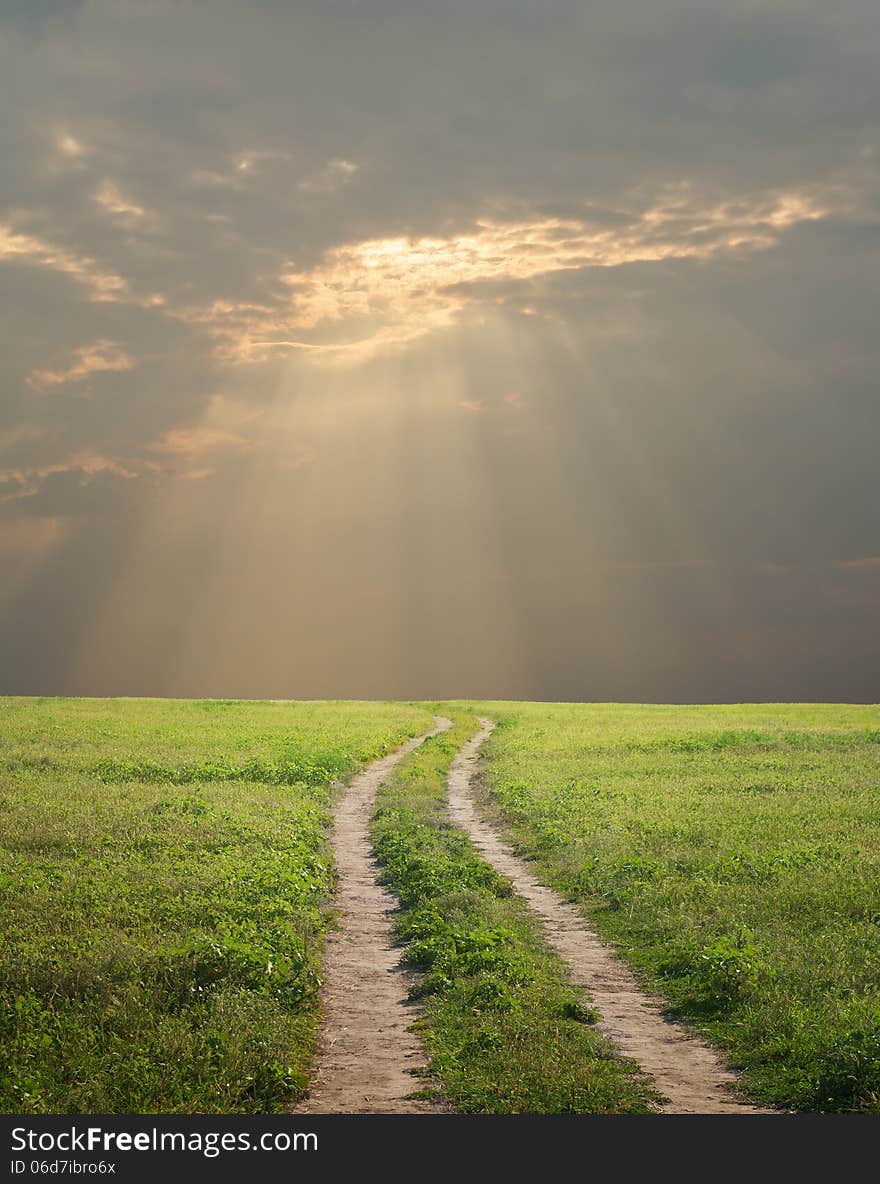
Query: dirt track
368, 1059
684, 1069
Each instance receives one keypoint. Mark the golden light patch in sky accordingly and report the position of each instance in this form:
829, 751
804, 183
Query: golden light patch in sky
366, 296
18, 483
111, 198
88, 359
69, 146
30, 249
190, 452
104, 286
193, 450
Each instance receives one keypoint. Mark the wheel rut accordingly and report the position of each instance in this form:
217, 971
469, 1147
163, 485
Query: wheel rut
686, 1071
368, 1059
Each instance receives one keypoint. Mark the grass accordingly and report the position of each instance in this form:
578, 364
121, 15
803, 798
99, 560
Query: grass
163, 867
505, 1031
732, 854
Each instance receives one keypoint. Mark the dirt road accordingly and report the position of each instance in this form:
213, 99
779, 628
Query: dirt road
684, 1069
368, 1059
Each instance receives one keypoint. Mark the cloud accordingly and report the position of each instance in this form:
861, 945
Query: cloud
870, 563
416, 206
101, 356
195, 441
228, 428
248, 162
17, 484
381, 293
236, 172
110, 197
70, 147
104, 285
334, 175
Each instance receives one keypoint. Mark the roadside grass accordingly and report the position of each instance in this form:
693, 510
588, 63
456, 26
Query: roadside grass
732, 854
163, 866
505, 1031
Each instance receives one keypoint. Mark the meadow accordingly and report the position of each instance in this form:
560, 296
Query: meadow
163, 871
165, 875
732, 855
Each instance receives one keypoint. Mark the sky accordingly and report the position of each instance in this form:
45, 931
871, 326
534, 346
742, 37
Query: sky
484, 348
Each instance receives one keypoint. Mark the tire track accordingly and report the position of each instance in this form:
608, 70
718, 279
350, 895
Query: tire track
368, 1058
689, 1074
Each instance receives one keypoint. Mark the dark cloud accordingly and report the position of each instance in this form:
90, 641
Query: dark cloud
637, 467
30, 18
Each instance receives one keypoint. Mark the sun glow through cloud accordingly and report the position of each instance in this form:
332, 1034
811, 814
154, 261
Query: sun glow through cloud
385, 293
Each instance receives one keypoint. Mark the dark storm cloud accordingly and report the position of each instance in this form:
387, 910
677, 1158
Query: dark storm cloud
31, 18
610, 432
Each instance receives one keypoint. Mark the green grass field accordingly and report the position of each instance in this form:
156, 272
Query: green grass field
732, 854
162, 868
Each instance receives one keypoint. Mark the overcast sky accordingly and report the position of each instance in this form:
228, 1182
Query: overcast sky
387, 348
